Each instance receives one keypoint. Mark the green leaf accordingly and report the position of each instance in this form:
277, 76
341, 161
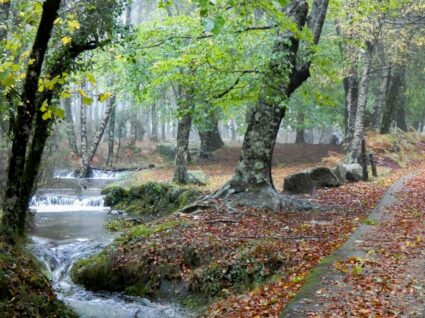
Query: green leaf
104, 97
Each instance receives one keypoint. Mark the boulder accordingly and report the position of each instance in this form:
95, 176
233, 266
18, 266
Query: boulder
323, 177
354, 172
198, 177
298, 183
340, 171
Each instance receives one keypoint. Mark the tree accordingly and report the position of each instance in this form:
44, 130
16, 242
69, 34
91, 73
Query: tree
252, 180
47, 69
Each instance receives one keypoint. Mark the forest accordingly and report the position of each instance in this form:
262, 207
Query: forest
212, 158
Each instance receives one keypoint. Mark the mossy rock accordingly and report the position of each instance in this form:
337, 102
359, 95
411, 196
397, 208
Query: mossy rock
152, 198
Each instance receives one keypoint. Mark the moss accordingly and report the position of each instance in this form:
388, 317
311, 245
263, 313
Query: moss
151, 199
24, 290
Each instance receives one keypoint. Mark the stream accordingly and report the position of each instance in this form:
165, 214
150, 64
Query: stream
69, 224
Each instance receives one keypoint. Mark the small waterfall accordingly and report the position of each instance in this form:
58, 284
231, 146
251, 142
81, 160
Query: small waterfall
66, 203
97, 174
58, 260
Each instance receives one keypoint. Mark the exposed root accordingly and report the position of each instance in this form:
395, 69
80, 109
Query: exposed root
263, 197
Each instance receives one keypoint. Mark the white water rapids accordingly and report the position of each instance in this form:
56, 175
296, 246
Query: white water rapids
69, 225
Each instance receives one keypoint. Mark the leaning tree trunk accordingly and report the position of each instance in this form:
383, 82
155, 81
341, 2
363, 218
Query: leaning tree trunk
355, 146
210, 139
383, 88
182, 151
86, 171
14, 219
70, 131
252, 180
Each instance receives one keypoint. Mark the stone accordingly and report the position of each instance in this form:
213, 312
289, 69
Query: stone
354, 172
340, 171
198, 177
323, 177
298, 183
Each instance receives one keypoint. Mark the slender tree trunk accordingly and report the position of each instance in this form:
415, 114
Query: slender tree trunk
163, 130
395, 99
356, 144
383, 88
70, 130
85, 171
299, 139
233, 130
402, 102
14, 218
111, 137
154, 120
83, 136
182, 151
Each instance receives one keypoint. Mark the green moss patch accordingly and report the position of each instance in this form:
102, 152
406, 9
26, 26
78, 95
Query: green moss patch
24, 290
150, 200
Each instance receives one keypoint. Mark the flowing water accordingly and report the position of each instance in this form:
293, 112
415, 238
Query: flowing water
69, 225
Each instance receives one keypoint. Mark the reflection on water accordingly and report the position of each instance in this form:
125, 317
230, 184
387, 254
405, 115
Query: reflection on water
68, 226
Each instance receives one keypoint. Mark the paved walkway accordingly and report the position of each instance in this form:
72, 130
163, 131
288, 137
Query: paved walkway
338, 285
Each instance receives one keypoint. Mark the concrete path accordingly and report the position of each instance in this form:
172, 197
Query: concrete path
307, 299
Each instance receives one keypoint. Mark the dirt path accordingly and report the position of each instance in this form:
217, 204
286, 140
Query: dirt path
379, 271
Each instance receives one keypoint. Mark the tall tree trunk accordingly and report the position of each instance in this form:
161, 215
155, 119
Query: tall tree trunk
85, 171
163, 130
83, 136
70, 130
402, 102
182, 151
154, 120
233, 130
111, 137
252, 179
210, 138
383, 88
354, 149
14, 218
299, 139
395, 98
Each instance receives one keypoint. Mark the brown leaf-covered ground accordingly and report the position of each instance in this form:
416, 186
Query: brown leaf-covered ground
390, 281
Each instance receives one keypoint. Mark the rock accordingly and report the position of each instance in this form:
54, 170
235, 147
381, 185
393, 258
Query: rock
354, 172
198, 177
340, 171
298, 183
323, 177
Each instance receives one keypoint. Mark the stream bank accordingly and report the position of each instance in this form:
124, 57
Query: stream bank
69, 224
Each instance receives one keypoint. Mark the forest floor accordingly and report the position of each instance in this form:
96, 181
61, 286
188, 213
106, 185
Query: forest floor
379, 271
251, 262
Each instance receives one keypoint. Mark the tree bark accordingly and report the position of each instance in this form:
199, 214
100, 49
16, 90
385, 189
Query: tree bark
14, 220
210, 138
85, 171
355, 146
383, 88
182, 151
83, 136
111, 137
154, 120
253, 173
395, 98
70, 130
299, 138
